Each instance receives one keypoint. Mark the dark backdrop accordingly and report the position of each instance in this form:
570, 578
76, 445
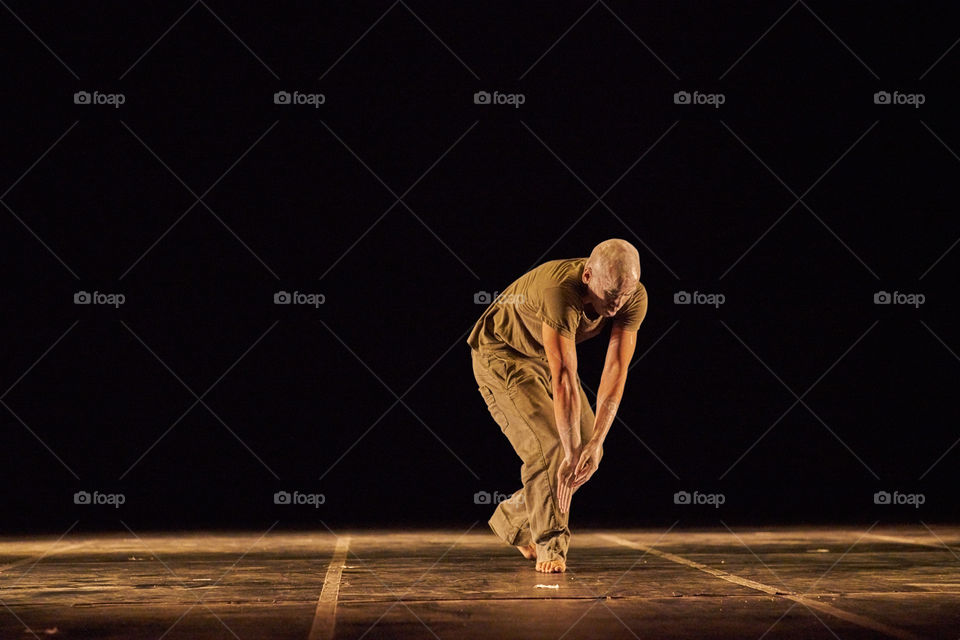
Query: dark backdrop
400, 198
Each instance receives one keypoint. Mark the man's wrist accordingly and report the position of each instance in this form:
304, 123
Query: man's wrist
573, 452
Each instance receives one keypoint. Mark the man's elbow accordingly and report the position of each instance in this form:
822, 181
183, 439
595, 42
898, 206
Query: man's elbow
615, 370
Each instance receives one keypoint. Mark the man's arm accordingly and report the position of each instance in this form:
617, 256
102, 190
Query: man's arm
562, 357
612, 381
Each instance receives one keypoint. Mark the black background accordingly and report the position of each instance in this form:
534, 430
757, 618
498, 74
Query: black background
304, 199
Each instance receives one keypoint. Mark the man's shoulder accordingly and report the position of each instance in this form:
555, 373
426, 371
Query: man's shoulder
639, 297
635, 309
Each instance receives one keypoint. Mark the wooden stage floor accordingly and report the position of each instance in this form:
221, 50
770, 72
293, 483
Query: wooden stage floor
822, 582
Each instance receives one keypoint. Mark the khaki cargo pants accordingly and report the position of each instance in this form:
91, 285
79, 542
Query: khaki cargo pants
519, 394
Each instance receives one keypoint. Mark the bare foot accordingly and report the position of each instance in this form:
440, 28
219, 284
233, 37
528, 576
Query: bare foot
552, 566
529, 552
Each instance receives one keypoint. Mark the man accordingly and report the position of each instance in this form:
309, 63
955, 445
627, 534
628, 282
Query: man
525, 362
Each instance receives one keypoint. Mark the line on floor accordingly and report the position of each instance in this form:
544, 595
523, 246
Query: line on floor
325, 617
857, 619
45, 554
936, 544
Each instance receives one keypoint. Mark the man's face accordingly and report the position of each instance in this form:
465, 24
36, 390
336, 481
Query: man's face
605, 295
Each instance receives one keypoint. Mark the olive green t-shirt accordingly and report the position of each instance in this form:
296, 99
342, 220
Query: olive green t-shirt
551, 293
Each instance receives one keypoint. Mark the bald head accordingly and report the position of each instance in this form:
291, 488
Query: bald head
611, 274
615, 260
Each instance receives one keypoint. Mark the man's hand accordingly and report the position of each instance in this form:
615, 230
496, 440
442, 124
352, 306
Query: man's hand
589, 461
565, 473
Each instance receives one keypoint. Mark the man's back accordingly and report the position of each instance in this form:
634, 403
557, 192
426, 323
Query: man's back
553, 293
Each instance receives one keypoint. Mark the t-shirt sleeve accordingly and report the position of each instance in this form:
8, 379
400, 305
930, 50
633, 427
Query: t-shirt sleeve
559, 309
634, 311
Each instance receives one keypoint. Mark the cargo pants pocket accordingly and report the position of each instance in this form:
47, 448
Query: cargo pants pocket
498, 415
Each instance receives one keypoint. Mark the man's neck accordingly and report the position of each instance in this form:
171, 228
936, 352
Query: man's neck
589, 311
